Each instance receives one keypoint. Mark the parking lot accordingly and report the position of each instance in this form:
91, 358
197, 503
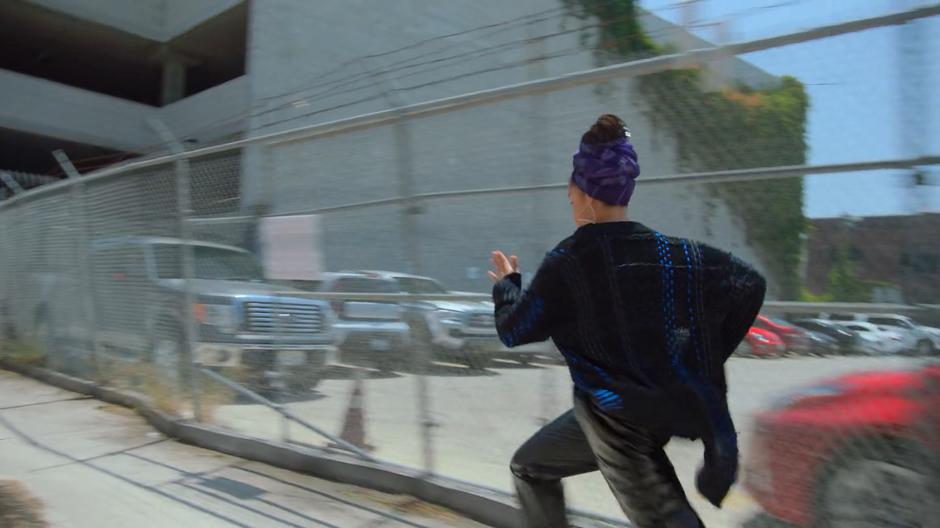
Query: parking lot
482, 416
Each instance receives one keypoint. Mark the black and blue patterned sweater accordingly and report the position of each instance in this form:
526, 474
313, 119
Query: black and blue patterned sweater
645, 323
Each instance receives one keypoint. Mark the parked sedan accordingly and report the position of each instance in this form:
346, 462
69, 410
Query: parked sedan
821, 344
877, 340
923, 340
761, 343
851, 451
794, 338
847, 340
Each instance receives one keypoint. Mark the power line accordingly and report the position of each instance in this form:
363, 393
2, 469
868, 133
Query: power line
354, 61
521, 21
481, 52
338, 85
517, 64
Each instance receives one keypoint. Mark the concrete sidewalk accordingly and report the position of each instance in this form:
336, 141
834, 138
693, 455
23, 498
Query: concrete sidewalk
92, 464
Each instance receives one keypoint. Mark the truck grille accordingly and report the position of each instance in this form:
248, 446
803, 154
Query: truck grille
283, 318
481, 320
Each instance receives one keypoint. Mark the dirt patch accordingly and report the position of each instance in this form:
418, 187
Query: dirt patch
117, 409
18, 508
407, 504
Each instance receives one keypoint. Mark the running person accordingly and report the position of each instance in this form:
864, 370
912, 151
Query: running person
645, 323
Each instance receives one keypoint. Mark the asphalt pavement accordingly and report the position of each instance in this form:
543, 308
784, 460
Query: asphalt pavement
481, 416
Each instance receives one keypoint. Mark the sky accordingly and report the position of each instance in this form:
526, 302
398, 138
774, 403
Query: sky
872, 93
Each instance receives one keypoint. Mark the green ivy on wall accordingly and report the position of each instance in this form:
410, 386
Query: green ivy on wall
620, 35
744, 128
732, 128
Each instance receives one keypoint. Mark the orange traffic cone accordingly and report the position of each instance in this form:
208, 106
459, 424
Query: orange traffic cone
354, 427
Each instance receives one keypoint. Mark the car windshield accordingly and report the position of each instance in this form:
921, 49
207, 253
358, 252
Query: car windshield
209, 262
777, 321
889, 321
363, 285
419, 286
859, 328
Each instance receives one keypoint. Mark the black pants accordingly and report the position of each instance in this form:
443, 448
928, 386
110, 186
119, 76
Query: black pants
632, 461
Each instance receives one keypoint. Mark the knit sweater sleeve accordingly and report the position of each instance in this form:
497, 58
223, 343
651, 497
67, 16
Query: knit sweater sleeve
747, 291
529, 315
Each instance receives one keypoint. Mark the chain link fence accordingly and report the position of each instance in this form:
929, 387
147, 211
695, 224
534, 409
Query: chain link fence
166, 276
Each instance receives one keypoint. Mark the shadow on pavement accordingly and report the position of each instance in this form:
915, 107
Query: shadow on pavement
123, 478
370, 371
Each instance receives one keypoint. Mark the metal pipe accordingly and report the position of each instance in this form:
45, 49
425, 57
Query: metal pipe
775, 306
839, 307
723, 176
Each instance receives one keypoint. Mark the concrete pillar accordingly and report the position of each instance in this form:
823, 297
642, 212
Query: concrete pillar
173, 87
173, 82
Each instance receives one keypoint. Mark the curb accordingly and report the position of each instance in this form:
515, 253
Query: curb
489, 507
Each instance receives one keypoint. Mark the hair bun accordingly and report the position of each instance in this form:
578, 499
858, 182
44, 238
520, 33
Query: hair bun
608, 127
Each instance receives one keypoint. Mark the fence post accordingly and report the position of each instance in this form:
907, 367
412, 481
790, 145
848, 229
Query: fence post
184, 212
10, 182
422, 342
86, 270
914, 96
409, 209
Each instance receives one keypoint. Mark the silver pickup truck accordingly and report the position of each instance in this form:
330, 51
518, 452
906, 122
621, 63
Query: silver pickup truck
273, 336
457, 331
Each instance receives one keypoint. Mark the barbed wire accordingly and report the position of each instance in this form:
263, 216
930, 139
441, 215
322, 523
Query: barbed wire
338, 84
366, 79
356, 60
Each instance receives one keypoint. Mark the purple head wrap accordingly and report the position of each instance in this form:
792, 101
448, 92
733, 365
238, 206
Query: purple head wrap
607, 171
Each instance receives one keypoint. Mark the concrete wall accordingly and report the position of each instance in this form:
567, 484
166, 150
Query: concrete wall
309, 63
210, 114
518, 142
301, 50
183, 15
481, 148
51, 109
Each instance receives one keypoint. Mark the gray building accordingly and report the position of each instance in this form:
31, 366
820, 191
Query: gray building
89, 76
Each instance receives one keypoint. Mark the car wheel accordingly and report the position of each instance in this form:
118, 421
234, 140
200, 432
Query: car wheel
305, 378
384, 364
924, 348
884, 486
745, 350
476, 360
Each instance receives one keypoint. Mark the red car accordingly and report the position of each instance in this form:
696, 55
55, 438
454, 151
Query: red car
859, 448
761, 343
794, 337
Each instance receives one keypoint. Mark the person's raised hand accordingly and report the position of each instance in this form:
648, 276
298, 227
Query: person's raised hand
502, 265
